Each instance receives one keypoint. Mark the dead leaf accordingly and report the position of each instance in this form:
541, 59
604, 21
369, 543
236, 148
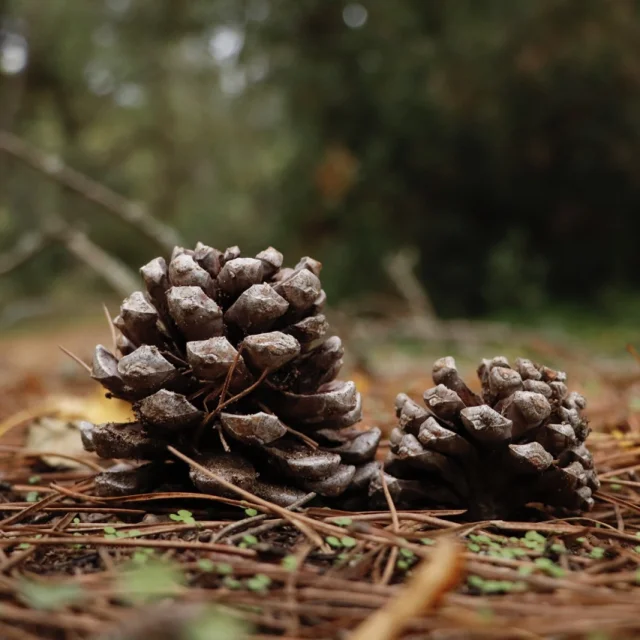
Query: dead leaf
54, 425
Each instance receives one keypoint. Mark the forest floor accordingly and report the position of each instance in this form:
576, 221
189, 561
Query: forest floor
172, 565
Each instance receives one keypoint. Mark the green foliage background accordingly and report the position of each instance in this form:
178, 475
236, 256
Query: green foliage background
500, 138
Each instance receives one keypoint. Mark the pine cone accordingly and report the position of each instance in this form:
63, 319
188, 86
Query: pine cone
228, 359
521, 442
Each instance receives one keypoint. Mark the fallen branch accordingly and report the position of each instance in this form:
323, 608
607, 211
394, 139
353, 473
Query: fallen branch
54, 168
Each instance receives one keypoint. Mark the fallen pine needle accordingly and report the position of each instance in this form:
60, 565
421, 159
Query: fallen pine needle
431, 579
281, 511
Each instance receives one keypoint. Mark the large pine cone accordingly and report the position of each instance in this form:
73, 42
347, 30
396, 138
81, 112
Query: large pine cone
521, 442
228, 359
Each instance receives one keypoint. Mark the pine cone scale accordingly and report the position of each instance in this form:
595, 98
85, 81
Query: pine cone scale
167, 410
253, 429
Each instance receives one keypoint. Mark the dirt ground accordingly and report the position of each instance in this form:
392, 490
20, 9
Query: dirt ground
74, 566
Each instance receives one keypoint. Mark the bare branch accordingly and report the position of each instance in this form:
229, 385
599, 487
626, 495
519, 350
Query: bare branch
30, 245
121, 279
55, 169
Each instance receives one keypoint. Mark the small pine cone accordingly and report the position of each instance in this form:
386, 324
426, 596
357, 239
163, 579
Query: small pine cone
522, 441
228, 359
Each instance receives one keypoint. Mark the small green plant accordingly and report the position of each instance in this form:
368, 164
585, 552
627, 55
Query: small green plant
597, 553
153, 580
259, 582
343, 521
184, 516
480, 538
475, 581
34, 479
231, 583
49, 596
334, 542
111, 533
615, 486
32, 496
348, 542
216, 624
533, 545
406, 560
290, 563
206, 565
142, 555
223, 569
251, 512
549, 567
508, 553
248, 540
488, 587
427, 541
534, 536
25, 545
76, 534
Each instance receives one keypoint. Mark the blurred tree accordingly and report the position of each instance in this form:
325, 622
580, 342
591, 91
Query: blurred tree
500, 138
468, 122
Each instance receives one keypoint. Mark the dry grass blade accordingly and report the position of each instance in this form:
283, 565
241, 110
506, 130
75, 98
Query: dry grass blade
430, 581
